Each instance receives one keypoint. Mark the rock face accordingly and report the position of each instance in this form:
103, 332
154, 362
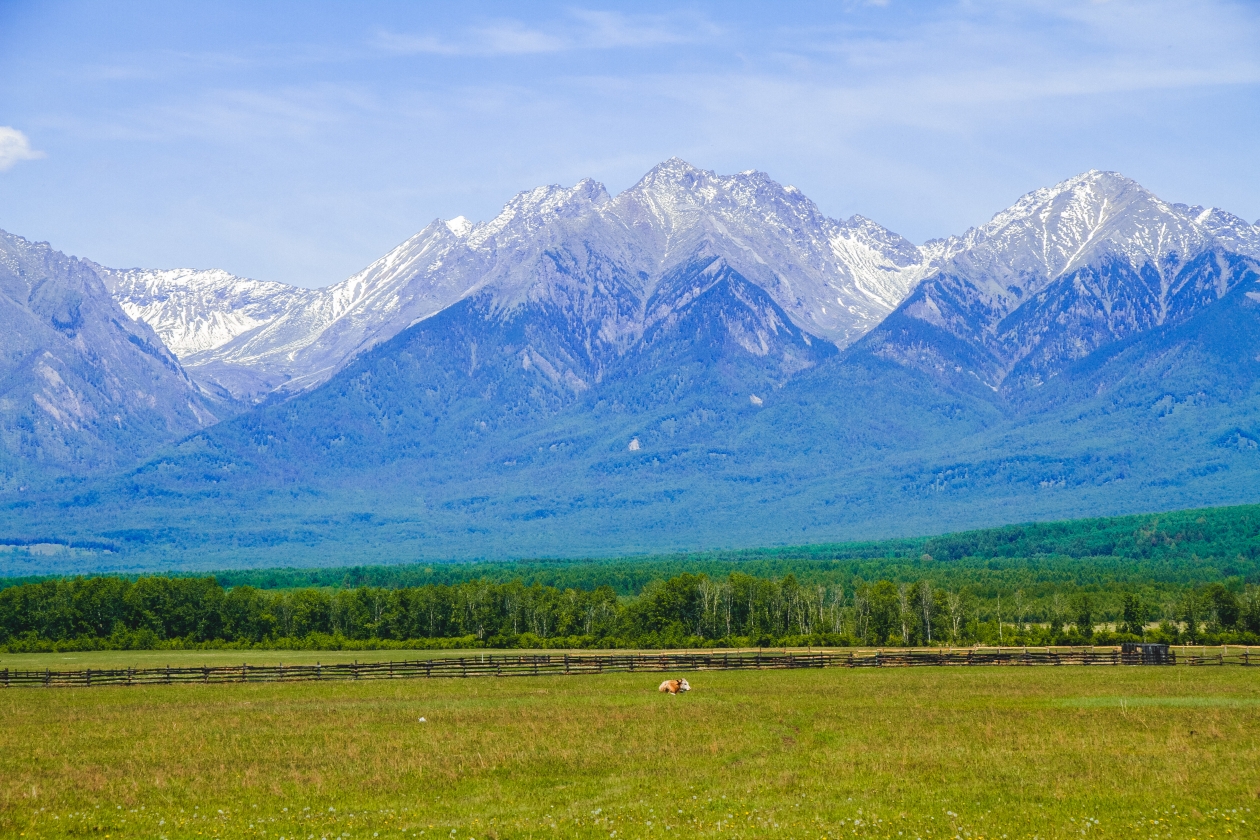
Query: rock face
83, 387
595, 257
1065, 271
197, 312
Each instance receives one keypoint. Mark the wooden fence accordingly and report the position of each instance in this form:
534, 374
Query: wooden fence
531, 665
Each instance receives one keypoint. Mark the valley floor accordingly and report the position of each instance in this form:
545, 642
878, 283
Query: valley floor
929, 753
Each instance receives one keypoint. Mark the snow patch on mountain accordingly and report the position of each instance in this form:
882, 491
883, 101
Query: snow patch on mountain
598, 259
1066, 270
198, 310
1053, 231
593, 256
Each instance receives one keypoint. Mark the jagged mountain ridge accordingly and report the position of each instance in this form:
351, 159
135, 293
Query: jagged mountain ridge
1063, 272
1045, 256
83, 387
834, 279
583, 398
195, 312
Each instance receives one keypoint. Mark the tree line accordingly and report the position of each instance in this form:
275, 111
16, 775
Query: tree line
685, 610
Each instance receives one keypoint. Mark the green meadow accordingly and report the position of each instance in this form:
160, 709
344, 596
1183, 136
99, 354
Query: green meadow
997, 753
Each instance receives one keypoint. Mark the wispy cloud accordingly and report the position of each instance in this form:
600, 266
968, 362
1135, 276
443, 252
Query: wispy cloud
581, 29
15, 147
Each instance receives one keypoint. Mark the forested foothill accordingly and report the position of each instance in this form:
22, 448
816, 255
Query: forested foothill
1189, 576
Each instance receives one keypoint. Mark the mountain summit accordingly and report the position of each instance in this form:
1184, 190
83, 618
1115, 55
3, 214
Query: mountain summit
1064, 271
834, 279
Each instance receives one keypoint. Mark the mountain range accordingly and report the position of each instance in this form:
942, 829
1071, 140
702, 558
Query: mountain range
698, 361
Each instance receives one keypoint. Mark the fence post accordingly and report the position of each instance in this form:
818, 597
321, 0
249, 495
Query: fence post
89, 676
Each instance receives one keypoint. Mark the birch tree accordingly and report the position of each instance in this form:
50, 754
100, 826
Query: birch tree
905, 612
925, 603
954, 603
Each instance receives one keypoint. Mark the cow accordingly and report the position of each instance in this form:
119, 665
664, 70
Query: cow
674, 686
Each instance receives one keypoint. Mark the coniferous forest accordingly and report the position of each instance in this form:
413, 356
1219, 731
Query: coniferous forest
1189, 576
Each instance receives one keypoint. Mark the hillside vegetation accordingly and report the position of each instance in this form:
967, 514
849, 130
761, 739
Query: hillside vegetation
1101, 580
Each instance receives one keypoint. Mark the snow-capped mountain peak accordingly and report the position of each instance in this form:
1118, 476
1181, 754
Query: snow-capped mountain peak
1067, 269
834, 279
1053, 231
459, 226
194, 310
532, 210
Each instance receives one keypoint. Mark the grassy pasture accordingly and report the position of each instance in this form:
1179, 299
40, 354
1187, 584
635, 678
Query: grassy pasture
911, 753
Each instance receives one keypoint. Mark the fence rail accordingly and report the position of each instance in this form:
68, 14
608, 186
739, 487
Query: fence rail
499, 665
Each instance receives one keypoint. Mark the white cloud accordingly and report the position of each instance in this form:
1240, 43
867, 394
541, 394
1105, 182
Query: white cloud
15, 147
581, 30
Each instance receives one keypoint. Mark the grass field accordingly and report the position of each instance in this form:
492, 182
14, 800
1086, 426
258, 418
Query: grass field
913, 753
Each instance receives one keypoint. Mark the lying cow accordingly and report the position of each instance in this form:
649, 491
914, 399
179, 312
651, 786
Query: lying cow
674, 686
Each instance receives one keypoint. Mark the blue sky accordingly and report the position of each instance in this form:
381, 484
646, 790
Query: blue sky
297, 142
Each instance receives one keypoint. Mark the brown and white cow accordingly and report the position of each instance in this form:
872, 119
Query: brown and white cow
674, 686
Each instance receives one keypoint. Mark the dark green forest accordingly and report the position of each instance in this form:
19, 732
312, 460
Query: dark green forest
682, 611
1189, 576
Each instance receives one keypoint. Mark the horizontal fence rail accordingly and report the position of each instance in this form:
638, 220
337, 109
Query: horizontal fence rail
498, 665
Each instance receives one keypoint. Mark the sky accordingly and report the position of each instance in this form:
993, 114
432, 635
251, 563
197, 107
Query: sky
297, 142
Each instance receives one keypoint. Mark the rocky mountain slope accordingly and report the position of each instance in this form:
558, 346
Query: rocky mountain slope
83, 387
666, 369
1065, 271
599, 257
195, 312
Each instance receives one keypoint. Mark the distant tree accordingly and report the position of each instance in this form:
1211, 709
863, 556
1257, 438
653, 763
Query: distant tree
1223, 607
862, 616
1250, 607
925, 604
1020, 607
999, 618
1084, 609
1133, 615
905, 611
955, 604
1058, 613
1191, 616
884, 611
